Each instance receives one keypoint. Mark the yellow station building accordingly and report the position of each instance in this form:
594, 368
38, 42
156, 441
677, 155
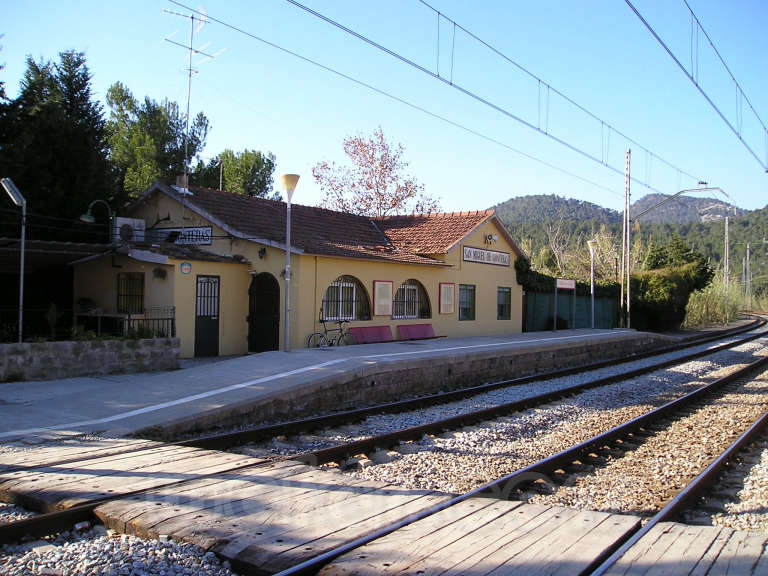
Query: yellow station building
218, 261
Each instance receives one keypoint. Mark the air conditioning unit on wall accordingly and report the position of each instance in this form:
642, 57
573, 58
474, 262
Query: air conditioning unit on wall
129, 229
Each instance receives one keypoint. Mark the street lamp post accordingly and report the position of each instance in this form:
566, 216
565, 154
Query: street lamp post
592, 244
289, 182
89, 219
19, 200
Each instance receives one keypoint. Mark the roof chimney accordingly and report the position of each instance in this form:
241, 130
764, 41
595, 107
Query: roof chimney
182, 181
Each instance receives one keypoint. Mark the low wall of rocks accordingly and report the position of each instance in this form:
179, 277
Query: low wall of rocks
54, 360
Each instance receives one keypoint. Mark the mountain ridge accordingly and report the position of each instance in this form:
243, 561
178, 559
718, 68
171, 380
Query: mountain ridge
678, 210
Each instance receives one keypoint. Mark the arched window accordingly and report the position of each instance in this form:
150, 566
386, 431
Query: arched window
411, 301
346, 299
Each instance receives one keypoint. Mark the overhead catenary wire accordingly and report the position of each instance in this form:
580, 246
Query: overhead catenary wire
550, 88
405, 102
498, 108
693, 76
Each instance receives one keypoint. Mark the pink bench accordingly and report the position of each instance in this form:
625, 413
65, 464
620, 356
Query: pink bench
371, 334
416, 331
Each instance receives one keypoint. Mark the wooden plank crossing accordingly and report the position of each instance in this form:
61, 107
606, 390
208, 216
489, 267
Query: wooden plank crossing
29, 482
267, 518
68, 450
672, 548
482, 536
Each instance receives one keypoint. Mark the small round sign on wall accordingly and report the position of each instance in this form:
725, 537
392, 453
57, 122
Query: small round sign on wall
185, 267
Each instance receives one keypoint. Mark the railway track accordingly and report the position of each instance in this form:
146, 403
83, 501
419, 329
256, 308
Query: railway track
624, 437
524, 400
224, 440
61, 519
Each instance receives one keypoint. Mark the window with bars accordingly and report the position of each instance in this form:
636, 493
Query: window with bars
130, 292
503, 303
346, 299
466, 302
411, 301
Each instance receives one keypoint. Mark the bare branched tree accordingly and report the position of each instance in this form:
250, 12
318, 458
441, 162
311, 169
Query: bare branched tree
374, 184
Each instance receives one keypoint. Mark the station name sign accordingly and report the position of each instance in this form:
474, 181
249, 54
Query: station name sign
486, 256
194, 236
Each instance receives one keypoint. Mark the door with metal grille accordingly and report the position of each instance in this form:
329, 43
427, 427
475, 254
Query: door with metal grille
264, 313
207, 316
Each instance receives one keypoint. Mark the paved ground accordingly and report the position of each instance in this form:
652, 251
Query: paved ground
121, 403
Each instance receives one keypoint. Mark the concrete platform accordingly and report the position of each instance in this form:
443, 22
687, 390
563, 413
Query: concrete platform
274, 385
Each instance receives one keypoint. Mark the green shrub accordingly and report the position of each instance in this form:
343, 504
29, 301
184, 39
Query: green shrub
660, 296
718, 303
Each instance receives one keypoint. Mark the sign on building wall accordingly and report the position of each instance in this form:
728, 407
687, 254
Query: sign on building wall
447, 297
382, 297
566, 284
486, 256
193, 236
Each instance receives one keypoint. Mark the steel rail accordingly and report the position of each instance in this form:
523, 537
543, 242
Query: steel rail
62, 519
689, 494
229, 439
501, 487
384, 441
504, 485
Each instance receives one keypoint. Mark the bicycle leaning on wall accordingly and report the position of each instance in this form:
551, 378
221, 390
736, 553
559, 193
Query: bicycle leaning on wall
330, 336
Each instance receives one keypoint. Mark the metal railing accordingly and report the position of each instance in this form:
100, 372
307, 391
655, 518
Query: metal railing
154, 322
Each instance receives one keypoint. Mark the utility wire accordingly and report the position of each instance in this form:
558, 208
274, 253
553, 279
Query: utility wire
738, 86
405, 102
549, 87
482, 100
695, 82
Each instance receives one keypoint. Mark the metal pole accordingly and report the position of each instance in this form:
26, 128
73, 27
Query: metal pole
749, 280
623, 259
629, 235
592, 283
727, 265
287, 327
726, 273
21, 279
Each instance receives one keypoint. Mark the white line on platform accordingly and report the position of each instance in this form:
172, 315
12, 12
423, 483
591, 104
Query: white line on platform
271, 377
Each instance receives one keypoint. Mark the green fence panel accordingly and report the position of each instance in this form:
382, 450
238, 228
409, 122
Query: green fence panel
540, 311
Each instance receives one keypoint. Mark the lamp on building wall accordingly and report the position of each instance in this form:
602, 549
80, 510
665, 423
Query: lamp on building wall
89, 219
19, 200
592, 244
289, 182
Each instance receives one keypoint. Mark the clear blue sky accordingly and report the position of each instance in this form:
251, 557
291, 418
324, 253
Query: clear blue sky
596, 52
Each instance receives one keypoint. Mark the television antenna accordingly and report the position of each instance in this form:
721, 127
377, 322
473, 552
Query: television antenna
196, 24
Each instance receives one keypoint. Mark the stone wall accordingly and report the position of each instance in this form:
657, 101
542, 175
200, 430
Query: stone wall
398, 379
54, 360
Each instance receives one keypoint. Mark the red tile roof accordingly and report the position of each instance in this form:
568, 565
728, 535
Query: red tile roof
408, 239
431, 233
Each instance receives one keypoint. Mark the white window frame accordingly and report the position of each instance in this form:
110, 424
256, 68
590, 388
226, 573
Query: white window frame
337, 303
410, 303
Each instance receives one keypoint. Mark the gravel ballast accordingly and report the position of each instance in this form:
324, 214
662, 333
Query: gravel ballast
643, 480
465, 459
661, 386
100, 553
